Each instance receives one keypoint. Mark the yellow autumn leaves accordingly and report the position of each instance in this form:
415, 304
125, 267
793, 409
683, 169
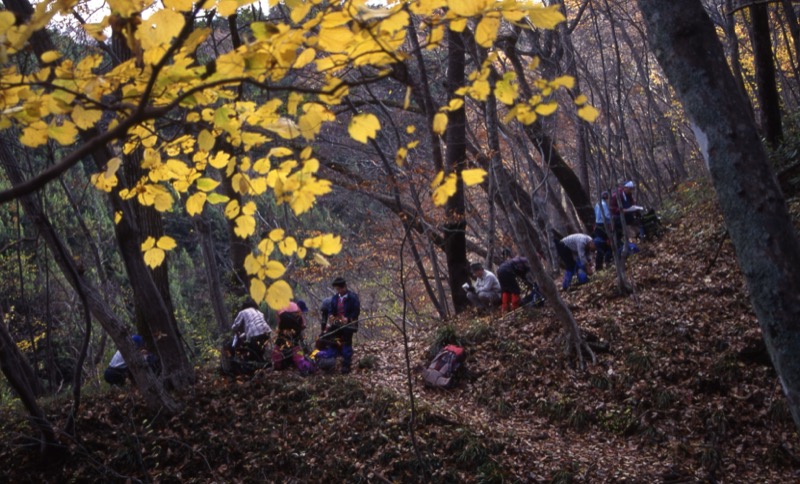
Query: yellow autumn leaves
322, 38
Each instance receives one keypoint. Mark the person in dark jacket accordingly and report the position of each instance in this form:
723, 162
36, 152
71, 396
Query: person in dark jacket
337, 336
508, 273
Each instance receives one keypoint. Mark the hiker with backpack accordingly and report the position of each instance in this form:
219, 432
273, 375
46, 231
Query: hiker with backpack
576, 252
288, 348
251, 331
507, 274
486, 291
342, 323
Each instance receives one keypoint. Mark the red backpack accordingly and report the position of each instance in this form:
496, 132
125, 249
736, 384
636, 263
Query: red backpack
442, 369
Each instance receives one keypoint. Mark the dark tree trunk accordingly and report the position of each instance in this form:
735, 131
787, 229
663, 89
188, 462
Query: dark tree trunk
455, 245
766, 87
768, 250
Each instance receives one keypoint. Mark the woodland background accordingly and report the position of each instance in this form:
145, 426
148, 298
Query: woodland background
686, 393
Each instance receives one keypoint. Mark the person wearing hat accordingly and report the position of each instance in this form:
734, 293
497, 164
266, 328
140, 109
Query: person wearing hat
622, 202
117, 371
486, 291
343, 310
602, 216
250, 322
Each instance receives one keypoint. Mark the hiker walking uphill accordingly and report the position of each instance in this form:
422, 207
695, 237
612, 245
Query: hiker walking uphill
486, 293
576, 252
251, 325
507, 274
337, 337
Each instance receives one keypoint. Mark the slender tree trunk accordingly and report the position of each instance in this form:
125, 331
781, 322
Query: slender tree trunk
794, 27
766, 87
755, 212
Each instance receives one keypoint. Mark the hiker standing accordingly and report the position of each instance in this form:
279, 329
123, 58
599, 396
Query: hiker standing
507, 275
486, 293
622, 202
602, 217
576, 251
343, 311
251, 323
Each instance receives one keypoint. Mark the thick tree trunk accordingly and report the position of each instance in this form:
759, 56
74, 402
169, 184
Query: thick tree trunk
769, 102
455, 246
755, 212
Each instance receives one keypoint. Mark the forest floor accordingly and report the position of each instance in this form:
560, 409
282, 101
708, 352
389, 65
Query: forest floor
685, 394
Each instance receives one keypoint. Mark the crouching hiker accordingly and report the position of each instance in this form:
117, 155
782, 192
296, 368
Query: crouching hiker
288, 347
486, 293
251, 332
576, 252
342, 323
117, 372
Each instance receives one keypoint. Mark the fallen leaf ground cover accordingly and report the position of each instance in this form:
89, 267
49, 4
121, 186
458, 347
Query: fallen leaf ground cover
685, 393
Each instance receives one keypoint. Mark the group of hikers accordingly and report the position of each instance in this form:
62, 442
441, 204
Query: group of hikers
581, 255
338, 323
252, 336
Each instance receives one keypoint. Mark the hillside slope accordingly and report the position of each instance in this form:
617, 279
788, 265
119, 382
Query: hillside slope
684, 394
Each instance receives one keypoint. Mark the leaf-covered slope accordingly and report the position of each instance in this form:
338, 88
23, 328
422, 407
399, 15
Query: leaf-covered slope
683, 395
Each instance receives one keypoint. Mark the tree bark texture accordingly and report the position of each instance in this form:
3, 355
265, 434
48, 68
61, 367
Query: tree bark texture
768, 250
455, 228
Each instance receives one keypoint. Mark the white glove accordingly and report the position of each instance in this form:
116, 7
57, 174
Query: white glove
634, 208
466, 286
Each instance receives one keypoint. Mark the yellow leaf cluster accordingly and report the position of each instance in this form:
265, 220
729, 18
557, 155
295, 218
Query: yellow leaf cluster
155, 251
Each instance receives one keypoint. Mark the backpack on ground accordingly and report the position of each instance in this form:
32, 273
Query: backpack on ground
441, 371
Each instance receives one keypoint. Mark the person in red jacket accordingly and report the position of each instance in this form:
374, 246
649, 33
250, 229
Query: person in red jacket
622, 202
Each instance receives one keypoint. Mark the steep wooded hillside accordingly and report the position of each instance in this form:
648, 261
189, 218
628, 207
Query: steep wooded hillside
684, 394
